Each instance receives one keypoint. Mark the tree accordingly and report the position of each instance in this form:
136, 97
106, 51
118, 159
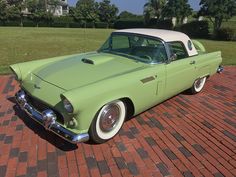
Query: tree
128, 15
153, 9
14, 2
3, 11
107, 12
86, 10
217, 11
37, 10
178, 9
14, 13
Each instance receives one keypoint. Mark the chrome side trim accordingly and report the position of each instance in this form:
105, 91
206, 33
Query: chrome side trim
48, 119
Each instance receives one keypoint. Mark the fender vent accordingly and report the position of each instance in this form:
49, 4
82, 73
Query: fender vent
88, 61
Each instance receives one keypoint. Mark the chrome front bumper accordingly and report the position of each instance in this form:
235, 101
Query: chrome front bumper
48, 119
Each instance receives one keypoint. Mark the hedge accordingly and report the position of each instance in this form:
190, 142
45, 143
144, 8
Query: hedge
101, 25
122, 24
196, 29
226, 34
160, 24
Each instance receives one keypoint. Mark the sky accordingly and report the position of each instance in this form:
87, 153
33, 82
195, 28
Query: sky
136, 6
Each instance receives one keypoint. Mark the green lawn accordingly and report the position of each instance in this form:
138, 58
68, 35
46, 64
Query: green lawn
24, 44
228, 50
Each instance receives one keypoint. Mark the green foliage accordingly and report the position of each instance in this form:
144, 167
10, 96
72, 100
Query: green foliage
128, 23
226, 34
101, 25
217, 11
86, 10
12, 23
3, 11
14, 13
107, 12
14, 2
177, 8
153, 9
196, 29
75, 25
160, 24
127, 15
28, 23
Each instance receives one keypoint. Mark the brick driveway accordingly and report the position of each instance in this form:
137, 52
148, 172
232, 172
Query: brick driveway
184, 136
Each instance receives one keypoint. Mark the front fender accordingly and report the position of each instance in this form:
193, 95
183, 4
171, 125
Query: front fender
87, 101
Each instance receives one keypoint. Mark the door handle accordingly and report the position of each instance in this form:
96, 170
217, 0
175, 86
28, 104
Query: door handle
192, 62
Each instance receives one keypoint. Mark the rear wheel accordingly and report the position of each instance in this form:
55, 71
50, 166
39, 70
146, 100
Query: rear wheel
108, 121
198, 85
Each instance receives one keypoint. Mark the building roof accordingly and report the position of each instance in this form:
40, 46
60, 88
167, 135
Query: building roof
165, 35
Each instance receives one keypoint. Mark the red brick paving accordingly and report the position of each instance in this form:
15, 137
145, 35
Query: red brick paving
188, 135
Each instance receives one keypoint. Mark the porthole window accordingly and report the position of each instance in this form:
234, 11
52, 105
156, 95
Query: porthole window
190, 45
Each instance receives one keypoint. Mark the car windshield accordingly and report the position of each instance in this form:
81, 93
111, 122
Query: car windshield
137, 47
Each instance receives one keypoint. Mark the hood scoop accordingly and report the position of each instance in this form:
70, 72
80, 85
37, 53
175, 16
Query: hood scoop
87, 61
97, 59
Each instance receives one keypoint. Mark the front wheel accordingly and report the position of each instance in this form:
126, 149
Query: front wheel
198, 85
108, 121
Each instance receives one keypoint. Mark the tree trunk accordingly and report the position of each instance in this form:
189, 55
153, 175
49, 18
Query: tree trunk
217, 24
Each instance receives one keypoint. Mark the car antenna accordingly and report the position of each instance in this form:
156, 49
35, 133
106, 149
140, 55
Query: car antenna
85, 41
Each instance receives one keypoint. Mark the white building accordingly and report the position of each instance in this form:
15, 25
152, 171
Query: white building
61, 9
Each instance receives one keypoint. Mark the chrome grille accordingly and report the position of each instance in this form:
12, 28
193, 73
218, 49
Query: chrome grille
40, 106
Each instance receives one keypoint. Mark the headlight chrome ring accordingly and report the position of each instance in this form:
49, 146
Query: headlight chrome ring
68, 106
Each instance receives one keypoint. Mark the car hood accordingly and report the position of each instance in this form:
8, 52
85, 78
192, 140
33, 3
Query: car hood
78, 71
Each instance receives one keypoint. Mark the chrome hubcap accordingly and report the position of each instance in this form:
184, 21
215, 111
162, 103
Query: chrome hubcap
110, 117
199, 83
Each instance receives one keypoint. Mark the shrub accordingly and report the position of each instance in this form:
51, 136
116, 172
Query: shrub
12, 23
101, 25
44, 24
197, 29
226, 34
75, 25
28, 23
60, 25
160, 24
122, 24
89, 25
63, 19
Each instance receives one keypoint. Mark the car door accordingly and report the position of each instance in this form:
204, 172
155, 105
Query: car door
181, 71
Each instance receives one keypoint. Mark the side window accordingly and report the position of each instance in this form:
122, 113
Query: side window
120, 42
178, 49
149, 49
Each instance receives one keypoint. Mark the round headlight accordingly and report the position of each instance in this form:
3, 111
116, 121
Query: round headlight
67, 105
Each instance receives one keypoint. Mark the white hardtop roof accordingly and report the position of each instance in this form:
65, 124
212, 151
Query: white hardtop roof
165, 35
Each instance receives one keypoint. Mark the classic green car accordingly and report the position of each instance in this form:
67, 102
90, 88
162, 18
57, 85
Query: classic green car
89, 96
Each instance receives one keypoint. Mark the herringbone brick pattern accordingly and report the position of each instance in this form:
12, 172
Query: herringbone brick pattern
188, 135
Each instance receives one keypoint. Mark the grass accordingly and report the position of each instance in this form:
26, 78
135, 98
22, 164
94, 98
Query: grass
227, 48
25, 44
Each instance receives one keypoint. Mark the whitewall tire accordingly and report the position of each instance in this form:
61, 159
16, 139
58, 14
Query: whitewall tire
108, 121
198, 85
